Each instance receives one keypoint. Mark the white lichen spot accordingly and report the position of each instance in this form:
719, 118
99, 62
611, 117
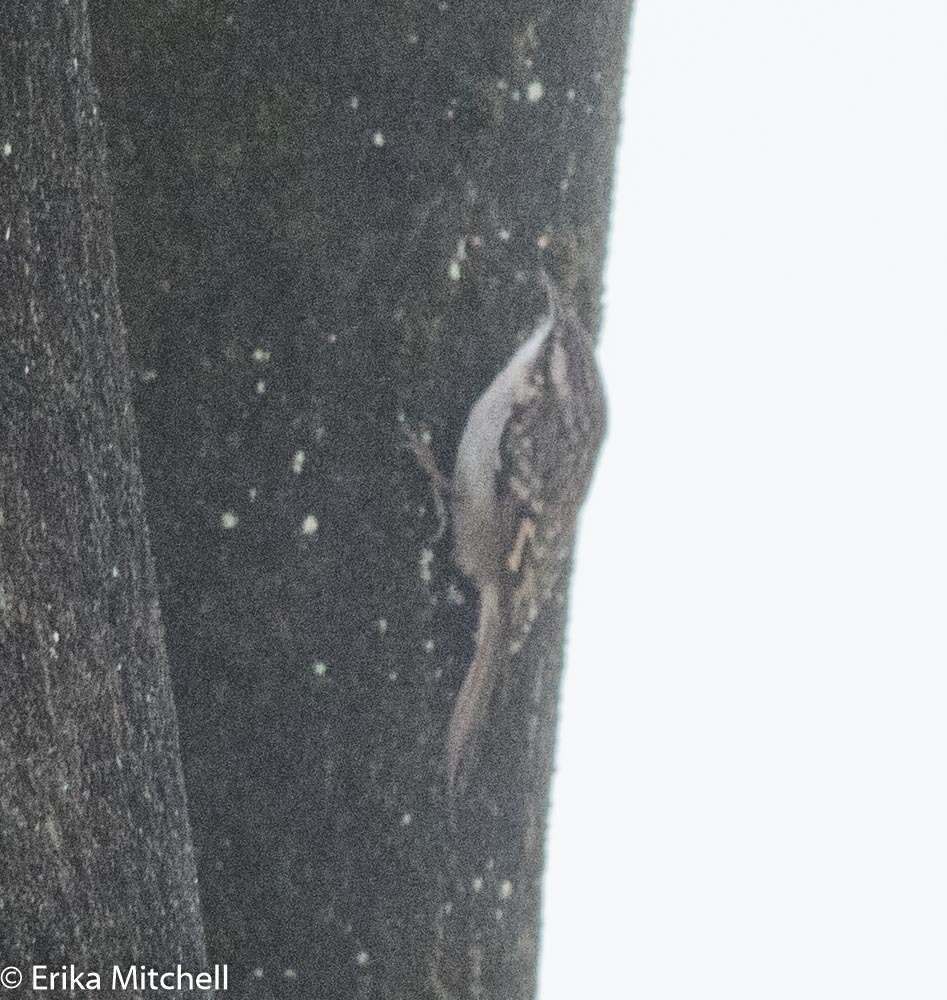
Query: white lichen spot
570, 94
455, 595
503, 235
257, 973
55, 638
542, 241
332, 338
477, 884
515, 95
260, 387
319, 668
353, 102
406, 819
361, 959
7, 149
502, 85
460, 255
505, 889
261, 355
378, 139
310, 524
148, 376
564, 185
114, 572
392, 675
535, 91
299, 460
251, 493
412, 39
290, 974
382, 625
7, 235
428, 645
229, 520
424, 562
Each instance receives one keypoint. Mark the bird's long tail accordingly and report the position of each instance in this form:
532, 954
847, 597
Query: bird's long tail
473, 700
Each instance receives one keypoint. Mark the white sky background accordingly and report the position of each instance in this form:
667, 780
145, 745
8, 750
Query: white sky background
751, 799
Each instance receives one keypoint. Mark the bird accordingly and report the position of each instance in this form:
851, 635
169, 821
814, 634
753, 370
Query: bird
521, 473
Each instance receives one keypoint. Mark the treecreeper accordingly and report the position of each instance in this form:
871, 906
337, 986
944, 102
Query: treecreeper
521, 474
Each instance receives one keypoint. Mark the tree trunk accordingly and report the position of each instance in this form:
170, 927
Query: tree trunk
96, 863
329, 220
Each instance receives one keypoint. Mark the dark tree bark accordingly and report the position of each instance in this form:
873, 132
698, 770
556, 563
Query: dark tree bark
96, 864
330, 216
